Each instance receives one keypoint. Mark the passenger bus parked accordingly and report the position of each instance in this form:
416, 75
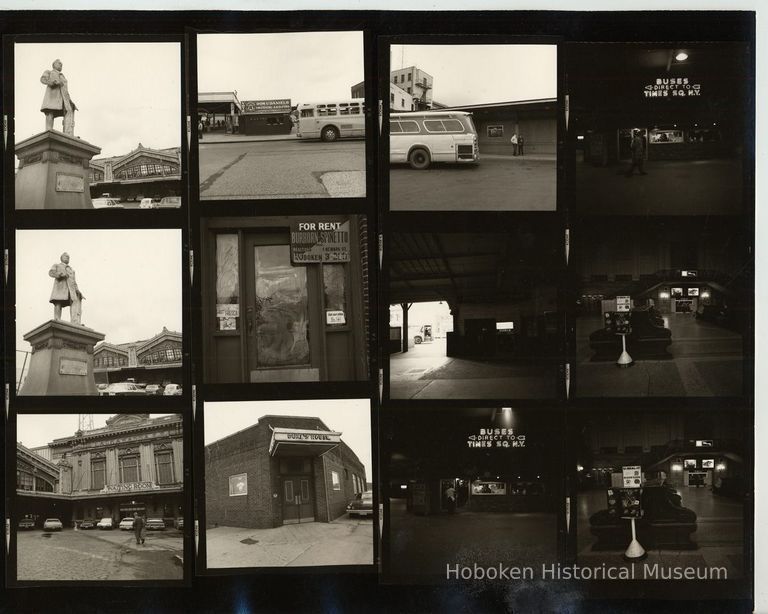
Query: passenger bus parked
331, 121
424, 137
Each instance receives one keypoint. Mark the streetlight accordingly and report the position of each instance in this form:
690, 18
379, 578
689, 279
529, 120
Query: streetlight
681, 56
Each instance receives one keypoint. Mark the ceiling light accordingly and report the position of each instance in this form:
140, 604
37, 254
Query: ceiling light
682, 56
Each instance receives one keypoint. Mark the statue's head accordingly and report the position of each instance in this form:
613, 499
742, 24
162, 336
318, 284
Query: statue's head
65, 258
57, 65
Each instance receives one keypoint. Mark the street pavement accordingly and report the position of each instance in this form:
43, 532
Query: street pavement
344, 541
719, 533
496, 183
425, 372
282, 169
98, 555
706, 187
706, 361
422, 546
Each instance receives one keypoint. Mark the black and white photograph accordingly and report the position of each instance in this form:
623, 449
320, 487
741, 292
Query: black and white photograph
471, 487
288, 483
667, 300
98, 312
105, 136
278, 116
474, 315
660, 492
659, 130
99, 497
472, 127
285, 299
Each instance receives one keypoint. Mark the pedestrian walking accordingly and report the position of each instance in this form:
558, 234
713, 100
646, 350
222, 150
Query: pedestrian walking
637, 147
200, 130
138, 528
513, 140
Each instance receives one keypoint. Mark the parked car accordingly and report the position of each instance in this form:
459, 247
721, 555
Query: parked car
154, 389
171, 202
101, 386
126, 524
172, 390
88, 523
146, 203
155, 524
122, 389
105, 523
26, 524
106, 203
361, 505
52, 524
179, 523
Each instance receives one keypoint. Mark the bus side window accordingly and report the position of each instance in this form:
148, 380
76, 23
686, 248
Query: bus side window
410, 126
434, 125
307, 112
331, 109
395, 127
453, 125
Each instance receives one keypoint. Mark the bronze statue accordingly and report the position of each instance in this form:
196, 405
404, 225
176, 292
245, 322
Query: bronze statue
57, 102
65, 292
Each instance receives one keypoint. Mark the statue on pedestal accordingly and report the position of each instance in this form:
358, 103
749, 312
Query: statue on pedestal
57, 102
65, 292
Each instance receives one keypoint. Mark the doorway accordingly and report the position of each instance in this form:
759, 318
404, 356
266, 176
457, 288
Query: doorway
298, 500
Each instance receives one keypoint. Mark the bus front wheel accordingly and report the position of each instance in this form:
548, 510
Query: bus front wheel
419, 159
330, 134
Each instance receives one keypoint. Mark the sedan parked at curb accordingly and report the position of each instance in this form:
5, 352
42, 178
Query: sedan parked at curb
52, 524
155, 524
26, 524
126, 524
105, 523
88, 523
362, 505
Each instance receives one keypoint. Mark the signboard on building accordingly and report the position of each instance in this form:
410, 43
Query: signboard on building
318, 241
238, 485
335, 317
705, 443
305, 436
632, 476
489, 488
623, 303
129, 487
265, 107
69, 366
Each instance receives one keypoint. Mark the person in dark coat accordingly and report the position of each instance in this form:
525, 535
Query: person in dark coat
637, 147
138, 528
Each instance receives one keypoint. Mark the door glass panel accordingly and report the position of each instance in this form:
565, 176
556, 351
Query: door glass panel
305, 491
227, 284
281, 311
288, 491
334, 289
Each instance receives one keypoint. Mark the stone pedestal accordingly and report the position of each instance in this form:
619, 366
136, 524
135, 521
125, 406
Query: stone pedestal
62, 360
53, 172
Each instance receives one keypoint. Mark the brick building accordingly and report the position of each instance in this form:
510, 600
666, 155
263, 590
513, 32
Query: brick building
282, 470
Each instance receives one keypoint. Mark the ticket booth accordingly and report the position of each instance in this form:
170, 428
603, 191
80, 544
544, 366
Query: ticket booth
284, 299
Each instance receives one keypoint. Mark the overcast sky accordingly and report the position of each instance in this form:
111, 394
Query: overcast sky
126, 93
482, 74
33, 430
131, 280
302, 66
350, 416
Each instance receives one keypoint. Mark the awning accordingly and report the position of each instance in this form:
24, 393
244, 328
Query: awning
302, 442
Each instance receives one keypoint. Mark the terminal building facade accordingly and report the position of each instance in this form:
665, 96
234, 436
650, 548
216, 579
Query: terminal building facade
141, 173
151, 361
134, 464
282, 470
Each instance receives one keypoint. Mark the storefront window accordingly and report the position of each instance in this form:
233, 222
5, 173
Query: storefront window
129, 469
164, 466
334, 289
98, 473
281, 310
24, 480
227, 282
335, 480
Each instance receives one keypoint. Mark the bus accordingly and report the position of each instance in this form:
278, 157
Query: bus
331, 121
422, 137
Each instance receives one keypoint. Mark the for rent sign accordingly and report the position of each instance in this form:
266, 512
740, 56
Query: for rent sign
318, 241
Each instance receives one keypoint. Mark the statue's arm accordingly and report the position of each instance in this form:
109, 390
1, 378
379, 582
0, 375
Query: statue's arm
46, 79
56, 273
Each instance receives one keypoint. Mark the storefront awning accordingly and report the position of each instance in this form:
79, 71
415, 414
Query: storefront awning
302, 442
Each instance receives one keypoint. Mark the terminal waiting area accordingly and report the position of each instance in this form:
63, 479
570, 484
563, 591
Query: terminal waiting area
676, 482
672, 309
470, 486
473, 315
659, 131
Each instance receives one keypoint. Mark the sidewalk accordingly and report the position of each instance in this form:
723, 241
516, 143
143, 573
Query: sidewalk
219, 137
341, 542
525, 158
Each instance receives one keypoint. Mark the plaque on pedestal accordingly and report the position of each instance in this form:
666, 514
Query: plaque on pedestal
62, 360
54, 172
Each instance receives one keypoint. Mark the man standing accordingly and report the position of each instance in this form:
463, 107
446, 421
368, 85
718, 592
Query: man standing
65, 292
56, 102
138, 528
450, 496
637, 147
521, 145
514, 144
